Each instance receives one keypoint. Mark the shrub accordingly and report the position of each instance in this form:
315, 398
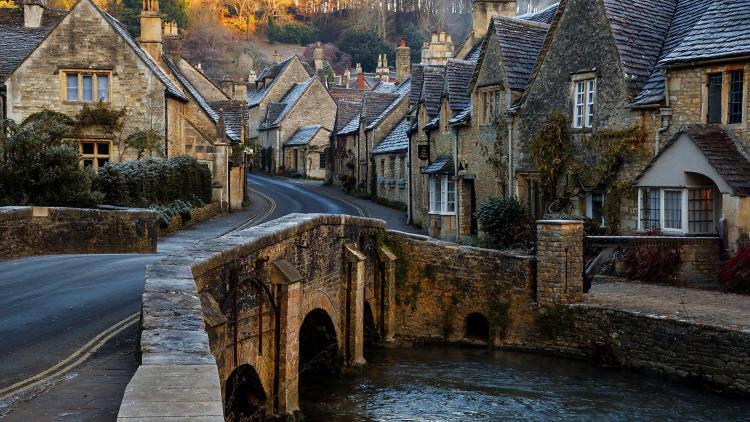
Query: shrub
37, 166
155, 181
291, 32
348, 182
653, 263
504, 222
164, 213
735, 274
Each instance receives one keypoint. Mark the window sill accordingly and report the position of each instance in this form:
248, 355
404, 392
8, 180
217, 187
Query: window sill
445, 214
581, 129
81, 103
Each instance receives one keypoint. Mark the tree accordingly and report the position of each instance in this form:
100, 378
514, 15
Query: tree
504, 222
364, 47
171, 10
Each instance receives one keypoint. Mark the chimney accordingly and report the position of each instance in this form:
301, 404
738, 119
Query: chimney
383, 71
151, 30
361, 81
403, 61
484, 10
276, 56
33, 10
438, 51
221, 131
345, 78
252, 77
358, 68
172, 40
318, 56
240, 91
227, 86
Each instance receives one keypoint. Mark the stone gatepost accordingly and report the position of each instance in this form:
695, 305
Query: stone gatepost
388, 298
354, 312
288, 284
559, 268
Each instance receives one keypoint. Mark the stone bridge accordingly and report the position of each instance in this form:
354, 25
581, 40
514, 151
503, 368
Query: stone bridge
262, 304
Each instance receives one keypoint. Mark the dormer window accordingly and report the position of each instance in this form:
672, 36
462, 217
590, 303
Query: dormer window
86, 86
584, 95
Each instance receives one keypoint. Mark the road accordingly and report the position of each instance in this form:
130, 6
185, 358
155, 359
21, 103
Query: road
52, 306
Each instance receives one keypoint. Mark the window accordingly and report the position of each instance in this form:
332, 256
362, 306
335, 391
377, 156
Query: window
664, 209
585, 99
595, 207
673, 209
87, 86
403, 167
322, 159
95, 154
701, 210
735, 96
442, 195
650, 209
382, 167
490, 107
714, 97
392, 174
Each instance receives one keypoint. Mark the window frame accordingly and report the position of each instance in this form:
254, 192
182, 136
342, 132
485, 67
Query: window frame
709, 102
79, 74
685, 210
96, 155
739, 96
590, 207
584, 91
441, 197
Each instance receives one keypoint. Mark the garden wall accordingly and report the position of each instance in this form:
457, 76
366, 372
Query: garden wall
199, 215
28, 231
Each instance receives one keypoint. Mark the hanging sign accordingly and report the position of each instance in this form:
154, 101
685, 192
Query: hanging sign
423, 152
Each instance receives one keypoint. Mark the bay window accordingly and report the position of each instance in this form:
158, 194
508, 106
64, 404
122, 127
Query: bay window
685, 210
442, 195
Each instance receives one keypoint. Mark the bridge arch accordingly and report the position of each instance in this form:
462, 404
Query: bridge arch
477, 327
319, 351
245, 397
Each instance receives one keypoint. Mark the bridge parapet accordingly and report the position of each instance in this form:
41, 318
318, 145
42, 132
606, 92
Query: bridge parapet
217, 308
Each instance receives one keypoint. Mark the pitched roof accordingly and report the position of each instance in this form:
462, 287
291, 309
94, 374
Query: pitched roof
352, 125
401, 90
463, 117
375, 104
302, 136
286, 104
255, 96
19, 41
235, 116
520, 44
417, 78
202, 103
458, 74
473, 54
542, 16
346, 94
720, 151
723, 30
346, 111
396, 141
432, 89
442, 165
639, 28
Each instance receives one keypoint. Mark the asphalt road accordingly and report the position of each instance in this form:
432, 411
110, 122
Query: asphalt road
51, 306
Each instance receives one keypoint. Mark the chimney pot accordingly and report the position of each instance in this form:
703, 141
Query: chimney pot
361, 81
33, 11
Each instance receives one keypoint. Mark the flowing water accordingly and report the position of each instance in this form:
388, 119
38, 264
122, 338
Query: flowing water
443, 384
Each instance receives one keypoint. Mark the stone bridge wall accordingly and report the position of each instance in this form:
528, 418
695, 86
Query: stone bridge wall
28, 231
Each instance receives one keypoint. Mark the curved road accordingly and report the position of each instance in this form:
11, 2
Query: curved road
50, 306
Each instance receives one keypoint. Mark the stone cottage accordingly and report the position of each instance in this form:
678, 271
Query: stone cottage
64, 60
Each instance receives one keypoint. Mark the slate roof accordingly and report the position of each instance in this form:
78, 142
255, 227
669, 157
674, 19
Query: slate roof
639, 36
202, 103
723, 30
171, 88
396, 141
375, 104
286, 104
463, 117
255, 96
417, 78
352, 125
432, 89
543, 16
18, 41
458, 74
520, 44
346, 94
442, 165
402, 90
720, 151
346, 111
302, 136
235, 116
473, 54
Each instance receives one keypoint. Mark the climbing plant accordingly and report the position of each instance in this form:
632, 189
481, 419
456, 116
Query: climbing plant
497, 156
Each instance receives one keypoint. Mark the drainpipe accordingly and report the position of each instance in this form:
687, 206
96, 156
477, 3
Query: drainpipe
511, 191
665, 115
455, 185
409, 178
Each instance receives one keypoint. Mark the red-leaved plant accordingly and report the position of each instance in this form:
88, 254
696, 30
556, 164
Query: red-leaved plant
653, 262
735, 275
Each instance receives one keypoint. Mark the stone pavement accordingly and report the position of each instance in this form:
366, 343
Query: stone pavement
707, 307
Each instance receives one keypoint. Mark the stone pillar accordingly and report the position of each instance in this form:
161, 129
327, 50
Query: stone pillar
354, 347
388, 303
289, 300
559, 278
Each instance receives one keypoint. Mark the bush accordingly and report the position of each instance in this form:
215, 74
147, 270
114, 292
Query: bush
347, 182
164, 213
504, 222
37, 166
291, 32
155, 181
653, 263
735, 274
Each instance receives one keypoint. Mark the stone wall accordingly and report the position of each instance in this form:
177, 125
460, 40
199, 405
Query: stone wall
198, 215
28, 231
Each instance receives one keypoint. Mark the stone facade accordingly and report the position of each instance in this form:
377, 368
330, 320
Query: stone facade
391, 173
29, 231
559, 262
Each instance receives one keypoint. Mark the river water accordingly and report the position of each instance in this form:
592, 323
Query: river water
445, 384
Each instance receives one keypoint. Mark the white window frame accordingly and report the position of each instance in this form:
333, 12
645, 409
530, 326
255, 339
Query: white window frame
439, 201
590, 207
684, 204
584, 101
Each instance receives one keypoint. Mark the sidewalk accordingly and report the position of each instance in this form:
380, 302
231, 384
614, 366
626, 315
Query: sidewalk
707, 307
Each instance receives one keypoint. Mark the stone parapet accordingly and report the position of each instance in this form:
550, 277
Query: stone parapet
29, 231
559, 261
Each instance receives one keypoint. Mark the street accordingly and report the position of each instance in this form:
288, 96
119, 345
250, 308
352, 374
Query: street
56, 312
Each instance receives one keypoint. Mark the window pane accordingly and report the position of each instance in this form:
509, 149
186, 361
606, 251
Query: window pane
580, 97
650, 209
72, 87
88, 87
735, 96
102, 148
88, 163
701, 210
450, 205
101, 162
102, 87
597, 207
714, 98
87, 148
590, 103
392, 174
673, 209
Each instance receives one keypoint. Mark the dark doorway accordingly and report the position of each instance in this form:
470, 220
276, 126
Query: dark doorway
245, 397
477, 327
474, 229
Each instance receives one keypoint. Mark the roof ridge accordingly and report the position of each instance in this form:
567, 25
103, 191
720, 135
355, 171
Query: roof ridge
524, 22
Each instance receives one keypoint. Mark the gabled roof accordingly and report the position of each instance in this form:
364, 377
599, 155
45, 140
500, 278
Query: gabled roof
463, 117
458, 75
375, 104
286, 104
302, 136
352, 126
442, 165
473, 54
235, 116
346, 111
417, 78
396, 141
543, 16
18, 41
346, 94
212, 114
255, 95
432, 89
401, 90
720, 151
171, 88
520, 43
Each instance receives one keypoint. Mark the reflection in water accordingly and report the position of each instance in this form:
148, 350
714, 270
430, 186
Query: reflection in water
442, 384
